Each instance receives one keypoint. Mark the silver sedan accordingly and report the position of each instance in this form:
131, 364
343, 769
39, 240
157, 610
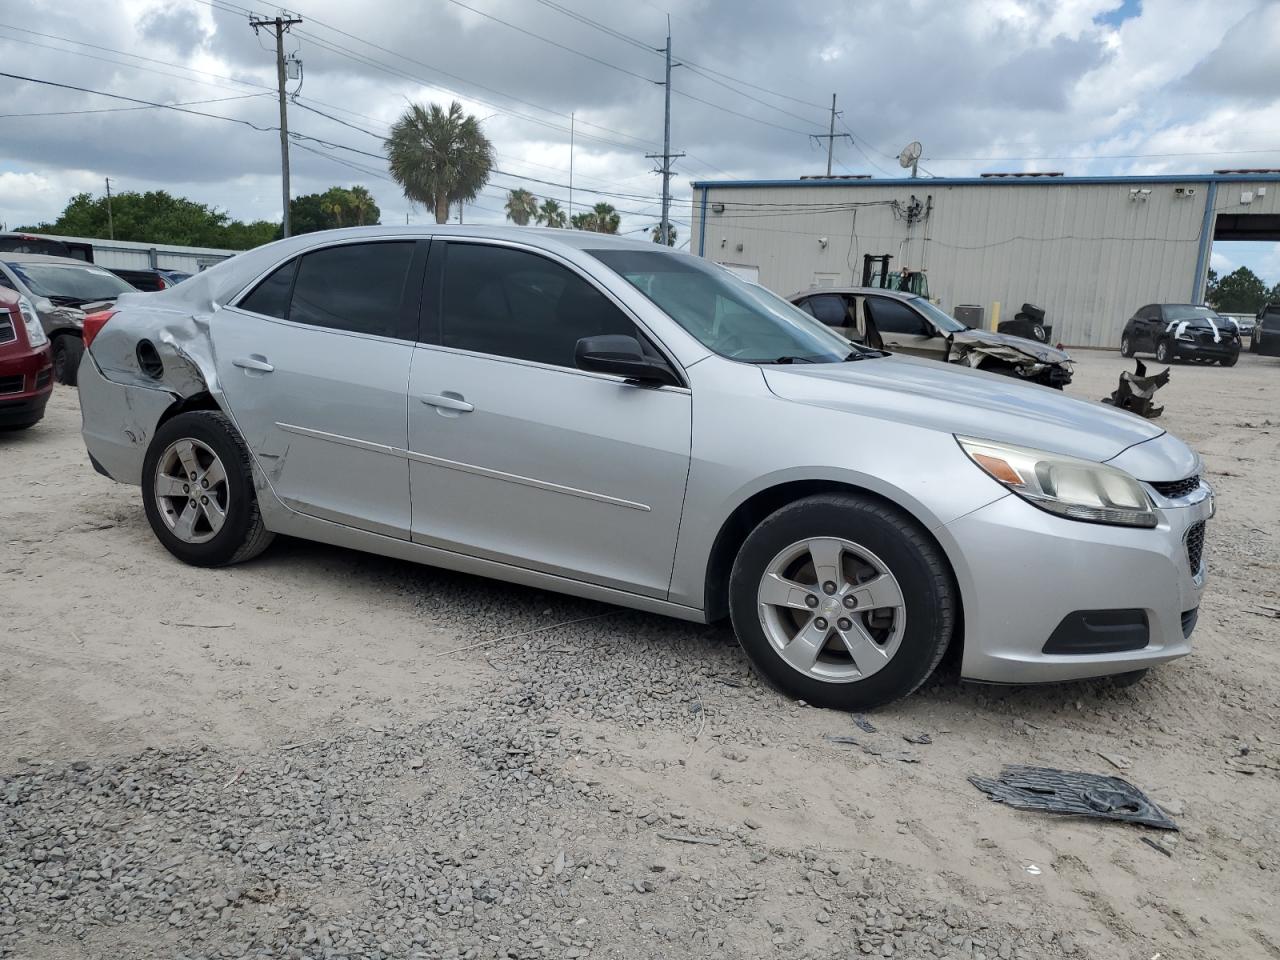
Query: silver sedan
620, 421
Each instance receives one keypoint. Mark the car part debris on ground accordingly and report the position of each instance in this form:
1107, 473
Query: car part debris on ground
1135, 391
1078, 794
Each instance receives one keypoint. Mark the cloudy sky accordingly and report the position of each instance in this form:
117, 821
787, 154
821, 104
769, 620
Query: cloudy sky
1082, 86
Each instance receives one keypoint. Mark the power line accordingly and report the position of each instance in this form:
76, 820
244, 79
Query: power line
180, 103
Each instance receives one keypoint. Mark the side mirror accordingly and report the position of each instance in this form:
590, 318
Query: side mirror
623, 356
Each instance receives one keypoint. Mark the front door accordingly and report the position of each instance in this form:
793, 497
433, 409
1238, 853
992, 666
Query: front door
902, 329
518, 456
314, 364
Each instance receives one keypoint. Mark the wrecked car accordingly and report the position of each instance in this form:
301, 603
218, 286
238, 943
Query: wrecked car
617, 420
62, 290
905, 323
1181, 331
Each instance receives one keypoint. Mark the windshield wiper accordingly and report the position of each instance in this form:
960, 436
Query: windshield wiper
786, 359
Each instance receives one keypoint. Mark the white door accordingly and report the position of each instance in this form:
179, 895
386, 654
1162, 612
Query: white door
314, 366
518, 456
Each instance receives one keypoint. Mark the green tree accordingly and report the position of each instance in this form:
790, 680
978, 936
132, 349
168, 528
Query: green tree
522, 206
336, 207
156, 217
671, 234
439, 157
1241, 291
551, 214
584, 221
607, 218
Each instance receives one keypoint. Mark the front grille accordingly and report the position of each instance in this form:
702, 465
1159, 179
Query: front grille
43, 378
1174, 489
7, 331
1195, 545
11, 384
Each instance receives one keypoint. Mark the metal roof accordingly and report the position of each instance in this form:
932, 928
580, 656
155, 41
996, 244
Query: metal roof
1005, 181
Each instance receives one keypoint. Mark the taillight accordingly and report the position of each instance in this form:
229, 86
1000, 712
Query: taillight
93, 324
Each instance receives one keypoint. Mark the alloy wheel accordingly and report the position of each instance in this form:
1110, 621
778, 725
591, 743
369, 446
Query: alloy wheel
831, 609
191, 491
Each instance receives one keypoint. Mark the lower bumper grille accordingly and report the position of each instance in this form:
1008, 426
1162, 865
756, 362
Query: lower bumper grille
11, 384
1195, 545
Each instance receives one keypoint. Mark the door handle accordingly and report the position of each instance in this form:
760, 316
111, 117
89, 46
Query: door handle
446, 402
252, 363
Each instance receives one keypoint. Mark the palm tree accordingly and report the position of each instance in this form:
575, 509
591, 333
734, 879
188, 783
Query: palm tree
607, 219
550, 214
671, 234
584, 221
522, 206
439, 157
361, 204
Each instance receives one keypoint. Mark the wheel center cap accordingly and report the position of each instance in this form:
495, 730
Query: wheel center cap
830, 608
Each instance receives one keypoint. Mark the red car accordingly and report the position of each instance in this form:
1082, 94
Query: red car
26, 363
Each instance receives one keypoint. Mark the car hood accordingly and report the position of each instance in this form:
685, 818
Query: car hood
962, 401
1032, 348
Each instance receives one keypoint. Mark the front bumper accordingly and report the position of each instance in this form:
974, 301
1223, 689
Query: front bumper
26, 383
118, 421
1023, 572
1196, 351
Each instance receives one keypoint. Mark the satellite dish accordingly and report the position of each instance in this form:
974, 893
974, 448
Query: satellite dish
910, 156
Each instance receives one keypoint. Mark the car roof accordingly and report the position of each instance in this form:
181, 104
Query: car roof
859, 291
42, 258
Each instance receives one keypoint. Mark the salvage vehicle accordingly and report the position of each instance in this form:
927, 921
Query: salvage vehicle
1266, 332
617, 420
149, 279
63, 291
1181, 331
26, 367
905, 323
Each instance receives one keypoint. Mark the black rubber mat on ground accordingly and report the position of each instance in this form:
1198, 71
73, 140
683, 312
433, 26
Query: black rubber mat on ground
1077, 794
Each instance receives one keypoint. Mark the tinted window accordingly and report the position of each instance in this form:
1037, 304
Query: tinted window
356, 286
1151, 312
514, 304
830, 309
271, 297
1186, 311
890, 316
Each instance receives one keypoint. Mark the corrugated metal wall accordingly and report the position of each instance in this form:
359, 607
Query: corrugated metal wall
1088, 253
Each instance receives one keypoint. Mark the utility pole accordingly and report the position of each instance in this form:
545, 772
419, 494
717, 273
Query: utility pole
571, 166
280, 26
831, 136
666, 156
111, 227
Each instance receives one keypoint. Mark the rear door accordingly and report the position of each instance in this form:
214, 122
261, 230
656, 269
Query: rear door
902, 329
518, 456
314, 367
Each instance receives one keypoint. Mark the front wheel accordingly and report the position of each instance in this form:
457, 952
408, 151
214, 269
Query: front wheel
68, 348
1164, 352
842, 601
1230, 361
1126, 346
197, 490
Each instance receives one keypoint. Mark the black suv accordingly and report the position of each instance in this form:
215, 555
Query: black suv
1266, 333
1181, 331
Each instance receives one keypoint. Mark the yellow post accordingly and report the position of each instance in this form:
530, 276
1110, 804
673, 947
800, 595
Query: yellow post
995, 315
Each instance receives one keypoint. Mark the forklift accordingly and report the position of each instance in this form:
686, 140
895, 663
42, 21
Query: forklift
876, 273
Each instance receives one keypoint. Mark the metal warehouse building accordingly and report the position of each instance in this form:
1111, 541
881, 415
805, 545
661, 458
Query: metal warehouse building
1089, 250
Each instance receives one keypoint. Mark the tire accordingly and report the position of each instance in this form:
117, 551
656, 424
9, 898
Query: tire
1164, 352
68, 348
1230, 361
1254, 340
872, 539
1126, 346
241, 535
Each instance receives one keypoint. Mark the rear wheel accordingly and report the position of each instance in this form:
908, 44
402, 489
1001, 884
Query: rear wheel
1164, 352
1230, 361
197, 489
1126, 346
1255, 339
67, 351
842, 601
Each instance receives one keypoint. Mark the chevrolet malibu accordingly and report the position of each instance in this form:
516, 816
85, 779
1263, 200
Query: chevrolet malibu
632, 424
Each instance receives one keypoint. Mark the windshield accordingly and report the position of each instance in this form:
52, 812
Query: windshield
1188, 311
66, 281
736, 319
940, 318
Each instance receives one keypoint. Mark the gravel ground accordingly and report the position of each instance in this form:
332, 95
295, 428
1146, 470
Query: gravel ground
325, 754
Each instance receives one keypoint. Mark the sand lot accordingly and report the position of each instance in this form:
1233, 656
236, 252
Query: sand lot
326, 754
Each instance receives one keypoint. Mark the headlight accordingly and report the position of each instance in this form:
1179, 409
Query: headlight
1078, 489
1185, 336
31, 320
